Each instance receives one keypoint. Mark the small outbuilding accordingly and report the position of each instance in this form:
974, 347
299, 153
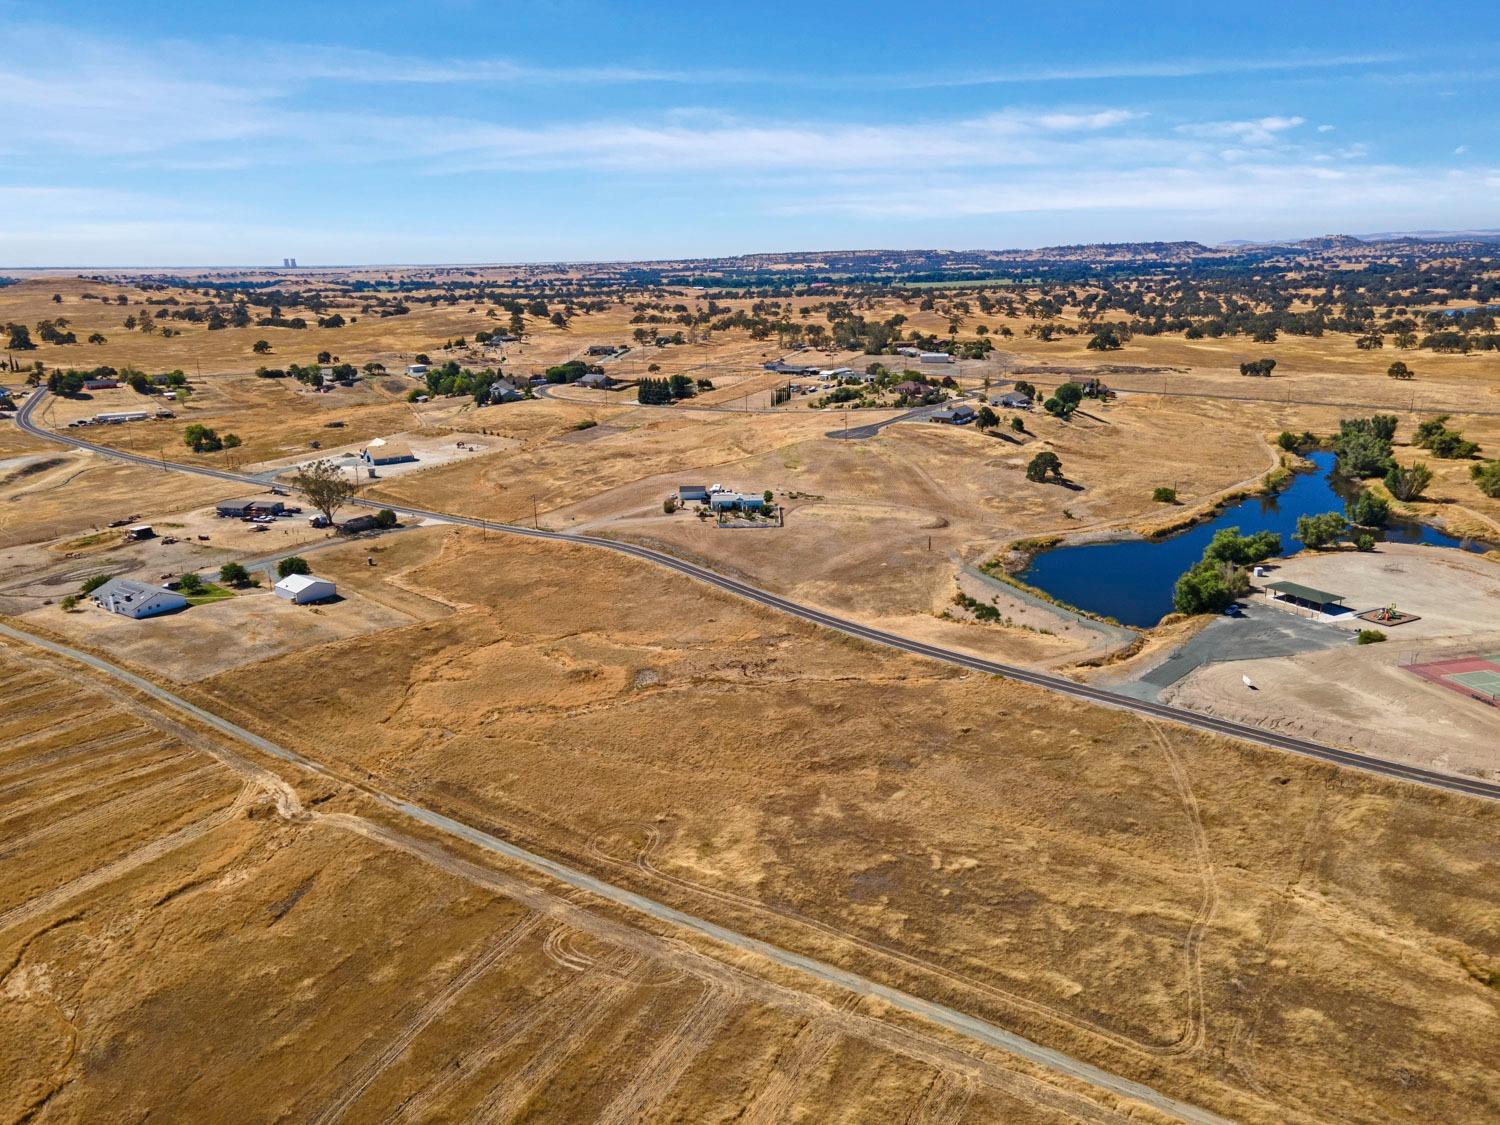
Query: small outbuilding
130, 598
692, 494
934, 357
389, 453
300, 589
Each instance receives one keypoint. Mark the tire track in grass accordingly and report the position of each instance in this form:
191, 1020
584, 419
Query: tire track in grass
425, 1016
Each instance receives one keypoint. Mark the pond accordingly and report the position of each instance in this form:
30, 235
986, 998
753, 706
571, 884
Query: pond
1131, 580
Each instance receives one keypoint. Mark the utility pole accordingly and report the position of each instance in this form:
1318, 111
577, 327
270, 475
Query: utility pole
535, 526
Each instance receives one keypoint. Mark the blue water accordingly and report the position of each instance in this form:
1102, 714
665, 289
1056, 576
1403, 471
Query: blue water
1132, 580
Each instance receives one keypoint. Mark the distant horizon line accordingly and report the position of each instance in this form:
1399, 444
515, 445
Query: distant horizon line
1384, 236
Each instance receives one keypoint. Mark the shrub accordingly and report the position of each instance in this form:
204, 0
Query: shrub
1487, 477
190, 583
1164, 495
70, 602
1364, 541
385, 518
292, 564
1407, 484
669, 505
92, 584
1371, 636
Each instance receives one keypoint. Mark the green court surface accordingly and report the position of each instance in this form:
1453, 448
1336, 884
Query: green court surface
1485, 682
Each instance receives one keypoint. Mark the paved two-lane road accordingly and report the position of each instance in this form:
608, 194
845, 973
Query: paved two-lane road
1473, 787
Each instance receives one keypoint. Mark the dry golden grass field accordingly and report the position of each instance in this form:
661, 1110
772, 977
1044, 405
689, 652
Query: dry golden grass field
192, 928
185, 933
1254, 933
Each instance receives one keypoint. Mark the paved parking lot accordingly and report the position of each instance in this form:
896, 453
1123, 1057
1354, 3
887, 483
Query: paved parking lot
1264, 631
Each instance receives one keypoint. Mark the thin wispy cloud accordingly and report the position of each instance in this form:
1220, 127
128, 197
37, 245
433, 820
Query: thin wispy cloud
245, 142
1167, 68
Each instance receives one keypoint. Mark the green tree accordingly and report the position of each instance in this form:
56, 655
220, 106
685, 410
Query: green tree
1164, 495
20, 338
1365, 509
189, 584
292, 564
200, 439
987, 419
385, 519
94, 582
1043, 465
234, 574
1399, 370
326, 486
1018, 425
1209, 586
1228, 545
261, 347
1321, 531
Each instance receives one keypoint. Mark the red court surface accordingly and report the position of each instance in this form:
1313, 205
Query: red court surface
1477, 677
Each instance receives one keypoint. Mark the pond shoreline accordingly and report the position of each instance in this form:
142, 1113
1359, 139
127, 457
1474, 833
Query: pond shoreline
1126, 577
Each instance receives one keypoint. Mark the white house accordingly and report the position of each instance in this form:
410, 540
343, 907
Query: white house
299, 589
134, 599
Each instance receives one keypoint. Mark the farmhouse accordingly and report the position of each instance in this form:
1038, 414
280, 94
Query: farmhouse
736, 502
134, 599
1012, 400
388, 453
960, 415
247, 509
299, 589
912, 389
502, 390
598, 380
100, 384
606, 349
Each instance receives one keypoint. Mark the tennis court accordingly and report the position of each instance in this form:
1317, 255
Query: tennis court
1478, 677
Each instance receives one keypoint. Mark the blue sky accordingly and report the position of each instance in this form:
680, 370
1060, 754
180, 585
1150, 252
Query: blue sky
457, 131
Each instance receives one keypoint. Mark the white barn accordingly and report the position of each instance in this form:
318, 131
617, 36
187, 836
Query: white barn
134, 599
299, 589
